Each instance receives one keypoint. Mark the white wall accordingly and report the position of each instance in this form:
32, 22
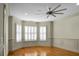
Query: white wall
66, 33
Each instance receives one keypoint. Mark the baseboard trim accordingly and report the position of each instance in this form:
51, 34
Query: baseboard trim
66, 49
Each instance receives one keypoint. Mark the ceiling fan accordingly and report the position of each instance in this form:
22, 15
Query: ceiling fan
53, 12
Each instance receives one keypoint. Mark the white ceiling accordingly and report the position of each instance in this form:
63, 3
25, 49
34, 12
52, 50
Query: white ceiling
37, 11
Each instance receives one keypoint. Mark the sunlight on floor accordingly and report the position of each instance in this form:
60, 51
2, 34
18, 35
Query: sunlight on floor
36, 54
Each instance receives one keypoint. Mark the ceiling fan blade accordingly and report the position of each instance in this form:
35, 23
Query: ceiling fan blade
53, 15
61, 10
58, 13
56, 7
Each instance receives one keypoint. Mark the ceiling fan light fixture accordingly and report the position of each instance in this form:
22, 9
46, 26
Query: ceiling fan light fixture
26, 13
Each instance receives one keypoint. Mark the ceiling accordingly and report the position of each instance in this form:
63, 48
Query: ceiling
37, 11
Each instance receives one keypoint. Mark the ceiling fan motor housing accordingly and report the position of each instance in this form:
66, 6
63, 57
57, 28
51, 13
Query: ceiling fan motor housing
49, 13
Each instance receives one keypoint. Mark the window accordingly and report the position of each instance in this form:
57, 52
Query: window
30, 33
18, 33
42, 33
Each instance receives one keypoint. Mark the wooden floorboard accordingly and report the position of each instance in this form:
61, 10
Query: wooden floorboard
42, 51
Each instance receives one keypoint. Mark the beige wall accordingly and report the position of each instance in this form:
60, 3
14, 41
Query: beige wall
67, 28
12, 39
4, 29
66, 33
6, 15
1, 29
12, 33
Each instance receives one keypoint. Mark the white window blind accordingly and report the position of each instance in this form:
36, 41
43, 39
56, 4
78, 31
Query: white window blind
42, 33
30, 33
18, 33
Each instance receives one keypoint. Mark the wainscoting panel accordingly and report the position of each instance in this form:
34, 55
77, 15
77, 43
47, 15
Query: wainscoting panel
78, 45
14, 45
68, 44
1, 50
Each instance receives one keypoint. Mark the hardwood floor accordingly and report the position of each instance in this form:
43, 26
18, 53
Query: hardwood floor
42, 51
